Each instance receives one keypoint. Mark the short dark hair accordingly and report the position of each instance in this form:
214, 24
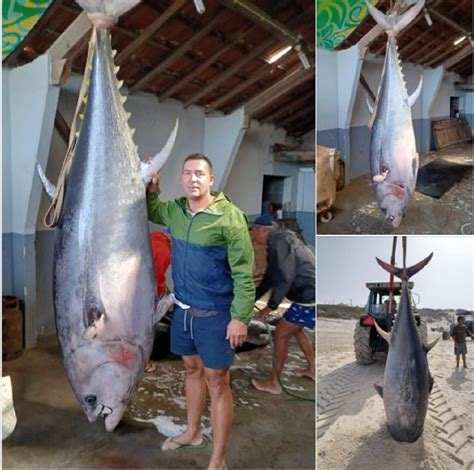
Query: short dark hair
198, 156
461, 317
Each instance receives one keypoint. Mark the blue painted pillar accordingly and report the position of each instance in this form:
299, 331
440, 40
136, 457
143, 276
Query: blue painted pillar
27, 129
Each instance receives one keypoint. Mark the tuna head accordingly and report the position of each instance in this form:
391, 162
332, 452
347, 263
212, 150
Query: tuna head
107, 394
104, 376
393, 200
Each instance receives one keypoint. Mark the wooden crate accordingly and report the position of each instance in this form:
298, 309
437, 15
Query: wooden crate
449, 132
327, 176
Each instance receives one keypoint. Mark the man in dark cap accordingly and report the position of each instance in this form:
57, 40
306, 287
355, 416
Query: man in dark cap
290, 273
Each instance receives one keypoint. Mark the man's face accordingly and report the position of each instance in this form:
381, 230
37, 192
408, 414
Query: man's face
461, 321
196, 179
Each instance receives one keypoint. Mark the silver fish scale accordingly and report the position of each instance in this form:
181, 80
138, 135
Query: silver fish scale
103, 263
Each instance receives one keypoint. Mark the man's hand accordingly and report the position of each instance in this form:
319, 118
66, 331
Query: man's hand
236, 333
154, 184
263, 314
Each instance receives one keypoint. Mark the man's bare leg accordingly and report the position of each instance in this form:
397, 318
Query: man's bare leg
195, 399
283, 332
306, 346
222, 414
464, 361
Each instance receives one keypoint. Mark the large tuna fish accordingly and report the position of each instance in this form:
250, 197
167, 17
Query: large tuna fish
407, 382
104, 281
393, 156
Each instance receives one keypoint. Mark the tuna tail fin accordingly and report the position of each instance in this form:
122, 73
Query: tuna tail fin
405, 273
160, 158
395, 24
47, 185
369, 106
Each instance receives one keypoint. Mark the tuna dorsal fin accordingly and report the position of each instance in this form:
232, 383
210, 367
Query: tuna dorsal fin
47, 185
406, 273
385, 335
160, 158
395, 24
379, 389
428, 347
413, 97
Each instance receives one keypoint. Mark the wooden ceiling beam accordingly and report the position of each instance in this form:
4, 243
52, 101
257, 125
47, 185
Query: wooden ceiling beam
461, 55
289, 107
289, 82
449, 22
263, 19
220, 50
447, 48
178, 52
264, 70
150, 30
419, 52
302, 128
291, 118
215, 82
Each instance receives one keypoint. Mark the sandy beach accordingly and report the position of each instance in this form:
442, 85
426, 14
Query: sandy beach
351, 425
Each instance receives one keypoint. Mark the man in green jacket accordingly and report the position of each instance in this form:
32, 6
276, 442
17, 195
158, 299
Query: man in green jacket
212, 267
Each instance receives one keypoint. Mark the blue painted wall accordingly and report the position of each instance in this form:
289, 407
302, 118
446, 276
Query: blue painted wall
470, 120
7, 263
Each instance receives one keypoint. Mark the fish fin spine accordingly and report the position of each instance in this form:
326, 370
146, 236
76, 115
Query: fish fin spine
379, 390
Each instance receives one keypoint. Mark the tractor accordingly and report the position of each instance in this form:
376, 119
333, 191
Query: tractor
368, 344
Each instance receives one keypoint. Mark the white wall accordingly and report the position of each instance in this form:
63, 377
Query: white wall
7, 223
326, 90
441, 103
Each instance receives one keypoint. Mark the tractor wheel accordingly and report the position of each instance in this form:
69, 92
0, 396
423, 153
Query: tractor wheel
362, 349
423, 332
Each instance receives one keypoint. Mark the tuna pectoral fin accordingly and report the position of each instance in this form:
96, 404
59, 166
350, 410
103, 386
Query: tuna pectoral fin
157, 162
379, 389
47, 185
96, 326
369, 106
428, 347
406, 273
412, 98
382, 333
162, 306
381, 177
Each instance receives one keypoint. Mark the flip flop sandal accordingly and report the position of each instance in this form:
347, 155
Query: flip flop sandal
181, 445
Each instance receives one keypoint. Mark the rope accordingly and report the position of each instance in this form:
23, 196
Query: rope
53, 213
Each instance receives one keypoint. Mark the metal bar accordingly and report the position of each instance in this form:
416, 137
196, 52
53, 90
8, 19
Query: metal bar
266, 21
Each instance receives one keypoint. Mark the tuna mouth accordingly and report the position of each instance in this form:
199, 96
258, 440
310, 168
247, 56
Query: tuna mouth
105, 411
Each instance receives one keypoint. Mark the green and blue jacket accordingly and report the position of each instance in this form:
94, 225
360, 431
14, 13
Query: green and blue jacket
212, 255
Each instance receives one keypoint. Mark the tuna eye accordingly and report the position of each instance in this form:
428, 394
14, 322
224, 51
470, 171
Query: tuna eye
91, 400
383, 209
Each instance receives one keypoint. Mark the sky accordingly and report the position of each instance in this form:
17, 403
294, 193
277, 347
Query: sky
346, 263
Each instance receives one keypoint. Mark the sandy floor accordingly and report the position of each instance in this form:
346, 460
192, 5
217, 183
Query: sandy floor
351, 425
355, 210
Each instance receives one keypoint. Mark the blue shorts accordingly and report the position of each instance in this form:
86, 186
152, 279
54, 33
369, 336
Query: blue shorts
191, 335
301, 315
461, 348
